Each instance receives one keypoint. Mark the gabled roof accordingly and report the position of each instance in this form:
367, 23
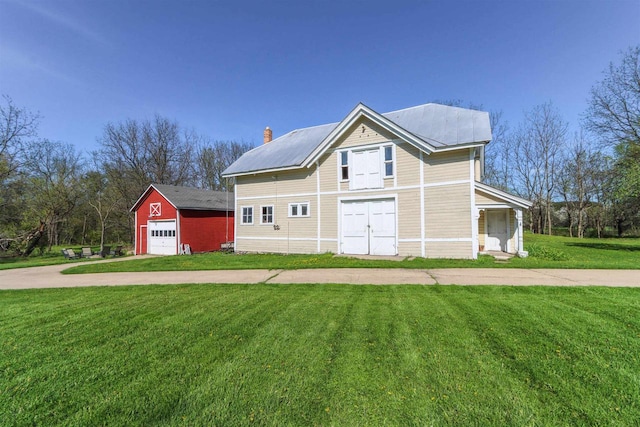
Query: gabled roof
430, 127
509, 198
191, 198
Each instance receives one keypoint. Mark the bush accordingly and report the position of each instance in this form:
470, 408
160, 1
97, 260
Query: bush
545, 252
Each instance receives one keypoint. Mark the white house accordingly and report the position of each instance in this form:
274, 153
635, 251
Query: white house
400, 183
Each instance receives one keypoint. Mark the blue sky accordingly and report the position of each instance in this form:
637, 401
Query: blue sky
229, 68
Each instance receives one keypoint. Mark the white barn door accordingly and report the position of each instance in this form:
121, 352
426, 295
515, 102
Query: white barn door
369, 227
162, 238
355, 229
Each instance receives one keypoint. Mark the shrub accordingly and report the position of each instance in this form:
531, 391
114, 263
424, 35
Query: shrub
545, 252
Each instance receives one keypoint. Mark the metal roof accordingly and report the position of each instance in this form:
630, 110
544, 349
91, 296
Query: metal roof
194, 198
439, 126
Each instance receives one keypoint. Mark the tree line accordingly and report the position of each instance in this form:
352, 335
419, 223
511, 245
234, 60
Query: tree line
586, 181
52, 194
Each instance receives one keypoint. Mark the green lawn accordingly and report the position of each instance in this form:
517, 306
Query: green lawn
545, 252
320, 355
52, 257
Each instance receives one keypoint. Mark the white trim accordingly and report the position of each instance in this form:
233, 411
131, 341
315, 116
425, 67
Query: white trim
423, 249
298, 239
496, 206
289, 204
414, 240
135, 234
235, 209
448, 239
273, 214
364, 190
341, 200
520, 238
472, 207
362, 111
328, 240
242, 215
507, 214
177, 230
459, 146
510, 198
319, 222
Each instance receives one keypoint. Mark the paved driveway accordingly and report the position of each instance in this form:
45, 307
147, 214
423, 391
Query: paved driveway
50, 277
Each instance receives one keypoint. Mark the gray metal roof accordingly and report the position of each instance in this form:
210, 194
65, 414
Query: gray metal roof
195, 198
439, 126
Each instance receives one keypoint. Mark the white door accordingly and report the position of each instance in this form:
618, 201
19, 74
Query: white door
369, 227
366, 169
382, 227
355, 230
496, 231
162, 237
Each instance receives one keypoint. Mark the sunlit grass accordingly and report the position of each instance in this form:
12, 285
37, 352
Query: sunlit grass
546, 251
320, 355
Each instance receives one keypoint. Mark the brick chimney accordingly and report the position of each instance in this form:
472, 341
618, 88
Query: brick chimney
268, 135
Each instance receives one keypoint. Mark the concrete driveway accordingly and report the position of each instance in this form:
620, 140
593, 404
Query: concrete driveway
50, 277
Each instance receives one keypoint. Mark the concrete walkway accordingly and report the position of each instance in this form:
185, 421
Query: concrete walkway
50, 277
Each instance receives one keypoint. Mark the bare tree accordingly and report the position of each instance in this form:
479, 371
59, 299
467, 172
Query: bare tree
614, 107
102, 198
54, 170
537, 147
135, 154
497, 170
213, 159
16, 125
577, 182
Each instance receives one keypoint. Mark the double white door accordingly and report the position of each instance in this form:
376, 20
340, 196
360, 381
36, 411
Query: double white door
369, 227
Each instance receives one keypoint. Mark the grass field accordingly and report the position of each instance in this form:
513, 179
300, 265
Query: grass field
545, 252
320, 355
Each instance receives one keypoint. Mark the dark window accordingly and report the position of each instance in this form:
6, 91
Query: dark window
344, 165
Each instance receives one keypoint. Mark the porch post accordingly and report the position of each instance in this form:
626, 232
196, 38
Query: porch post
520, 239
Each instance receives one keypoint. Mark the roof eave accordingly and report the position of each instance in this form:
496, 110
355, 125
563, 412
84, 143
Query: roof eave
518, 201
258, 171
359, 111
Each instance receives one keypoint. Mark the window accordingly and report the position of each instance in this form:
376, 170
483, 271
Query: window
344, 165
247, 215
388, 161
267, 215
155, 209
299, 209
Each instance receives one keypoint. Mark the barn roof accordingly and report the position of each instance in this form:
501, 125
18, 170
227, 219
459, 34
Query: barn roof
191, 198
430, 127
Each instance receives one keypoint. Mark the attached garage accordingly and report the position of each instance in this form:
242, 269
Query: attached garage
368, 227
167, 218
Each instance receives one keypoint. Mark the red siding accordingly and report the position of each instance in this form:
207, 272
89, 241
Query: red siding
167, 211
204, 231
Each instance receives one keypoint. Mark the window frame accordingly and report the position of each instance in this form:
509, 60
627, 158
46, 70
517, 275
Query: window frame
242, 215
273, 214
344, 156
391, 161
298, 206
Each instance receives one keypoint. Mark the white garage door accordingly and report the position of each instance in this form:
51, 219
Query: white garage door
162, 238
369, 227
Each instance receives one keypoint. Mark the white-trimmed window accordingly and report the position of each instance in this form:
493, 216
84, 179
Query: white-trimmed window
344, 165
247, 215
155, 209
388, 161
266, 214
299, 209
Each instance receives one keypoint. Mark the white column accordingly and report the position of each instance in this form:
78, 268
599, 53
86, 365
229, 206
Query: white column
519, 224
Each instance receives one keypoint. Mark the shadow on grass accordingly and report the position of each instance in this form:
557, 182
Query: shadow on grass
607, 246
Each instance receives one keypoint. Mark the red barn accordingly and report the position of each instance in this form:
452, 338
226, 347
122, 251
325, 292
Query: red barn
168, 217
